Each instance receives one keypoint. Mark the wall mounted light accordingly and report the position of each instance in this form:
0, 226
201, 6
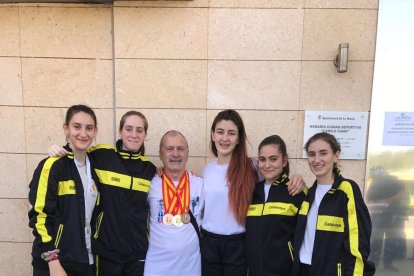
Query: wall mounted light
341, 59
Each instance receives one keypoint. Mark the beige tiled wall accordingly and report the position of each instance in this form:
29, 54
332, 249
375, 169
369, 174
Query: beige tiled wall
13, 174
322, 88
255, 34
160, 33
80, 80
268, 85
180, 63
70, 32
155, 83
12, 135
15, 259
10, 81
9, 32
257, 3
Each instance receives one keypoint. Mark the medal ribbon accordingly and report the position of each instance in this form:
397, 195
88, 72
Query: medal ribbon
176, 200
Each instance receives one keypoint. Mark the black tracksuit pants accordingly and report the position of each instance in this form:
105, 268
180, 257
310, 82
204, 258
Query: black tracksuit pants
223, 255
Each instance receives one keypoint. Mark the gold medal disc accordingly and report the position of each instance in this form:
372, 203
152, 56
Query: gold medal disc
167, 219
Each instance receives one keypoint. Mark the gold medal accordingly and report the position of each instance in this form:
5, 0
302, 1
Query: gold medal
167, 219
177, 221
185, 218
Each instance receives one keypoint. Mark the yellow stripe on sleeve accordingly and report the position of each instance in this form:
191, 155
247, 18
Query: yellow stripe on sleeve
41, 200
353, 228
304, 208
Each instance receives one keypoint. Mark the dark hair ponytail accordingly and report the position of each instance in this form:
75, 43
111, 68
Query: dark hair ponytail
277, 141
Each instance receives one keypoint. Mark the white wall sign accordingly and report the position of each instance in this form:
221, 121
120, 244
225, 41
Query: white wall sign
398, 129
350, 128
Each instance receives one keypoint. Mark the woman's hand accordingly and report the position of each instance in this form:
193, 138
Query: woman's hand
56, 151
296, 184
56, 269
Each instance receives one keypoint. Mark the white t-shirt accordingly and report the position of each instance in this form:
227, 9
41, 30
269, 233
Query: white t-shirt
90, 194
217, 216
306, 249
266, 190
173, 251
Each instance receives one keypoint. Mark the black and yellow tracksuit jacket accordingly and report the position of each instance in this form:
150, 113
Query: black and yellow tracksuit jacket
270, 228
122, 212
343, 231
58, 213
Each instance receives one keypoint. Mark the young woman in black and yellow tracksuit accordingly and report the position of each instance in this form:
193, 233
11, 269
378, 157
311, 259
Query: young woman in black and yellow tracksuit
334, 227
272, 215
120, 240
63, 193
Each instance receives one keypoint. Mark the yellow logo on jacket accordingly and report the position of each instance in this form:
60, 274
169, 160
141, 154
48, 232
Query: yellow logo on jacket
280, 208
330, 223
66, 188
272, 208
255, 210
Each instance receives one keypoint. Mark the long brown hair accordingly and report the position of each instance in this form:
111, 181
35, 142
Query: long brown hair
241, 174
